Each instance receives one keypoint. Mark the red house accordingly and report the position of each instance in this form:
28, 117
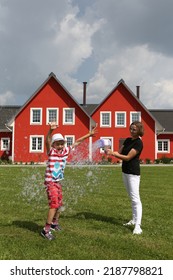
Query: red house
115, 114
51, 102
23, 129
165, 137
6, 113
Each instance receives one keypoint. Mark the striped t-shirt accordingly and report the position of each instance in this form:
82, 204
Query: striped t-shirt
56, 164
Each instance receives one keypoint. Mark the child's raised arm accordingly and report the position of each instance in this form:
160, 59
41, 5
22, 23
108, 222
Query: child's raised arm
81, 139
49, 137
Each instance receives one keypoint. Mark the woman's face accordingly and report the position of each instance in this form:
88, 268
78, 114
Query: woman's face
134, 131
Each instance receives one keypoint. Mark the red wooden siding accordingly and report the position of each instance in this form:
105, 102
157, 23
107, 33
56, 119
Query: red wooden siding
122, 100
166, 137
51, 95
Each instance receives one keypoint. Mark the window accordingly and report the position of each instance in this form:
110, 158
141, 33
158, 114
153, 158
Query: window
105, 119
69, 139
5, 144
36, 143
52, 115
163, 146
135, 116
68, 116
120, 119
36, 116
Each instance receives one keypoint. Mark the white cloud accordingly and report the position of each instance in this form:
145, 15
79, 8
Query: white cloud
7, 98
137, 66
112, 39
73, 41
162, 95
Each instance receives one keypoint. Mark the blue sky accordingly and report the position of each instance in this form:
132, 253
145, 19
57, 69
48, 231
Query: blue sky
98, 41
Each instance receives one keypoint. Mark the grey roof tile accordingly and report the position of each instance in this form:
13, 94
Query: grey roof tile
6, 113
165, 117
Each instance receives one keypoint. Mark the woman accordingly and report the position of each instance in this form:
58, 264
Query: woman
129, 153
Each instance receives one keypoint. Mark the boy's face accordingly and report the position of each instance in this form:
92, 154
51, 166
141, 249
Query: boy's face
58, 145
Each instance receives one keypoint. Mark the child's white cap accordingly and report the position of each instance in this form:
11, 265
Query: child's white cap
57, 137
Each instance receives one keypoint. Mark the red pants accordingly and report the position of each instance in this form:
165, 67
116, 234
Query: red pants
54, 194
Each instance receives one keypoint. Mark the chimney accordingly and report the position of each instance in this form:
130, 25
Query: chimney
84, 93
138, 92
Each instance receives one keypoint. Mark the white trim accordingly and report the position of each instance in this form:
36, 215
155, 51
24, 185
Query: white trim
90, 142
30, 144
90, 149
125, 118
13, 133
69, 123
135, 112
8, 148
155, 143
57, 114
70, 136
31, 116
162, 140
110, 120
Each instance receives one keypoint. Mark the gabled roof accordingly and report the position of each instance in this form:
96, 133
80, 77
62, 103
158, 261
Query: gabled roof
7, 113
51, 75
159, 127
165, 117
89, 108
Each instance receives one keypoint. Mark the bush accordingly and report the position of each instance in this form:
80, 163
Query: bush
148, 161
157, 161
166, 160
5, 161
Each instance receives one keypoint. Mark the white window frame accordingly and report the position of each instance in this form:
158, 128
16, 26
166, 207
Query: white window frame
163, 140
69, 136
57, 115
30, 145
31, 116
73, 114
2, 144
125, 119
109, 138
101, 119
137, 113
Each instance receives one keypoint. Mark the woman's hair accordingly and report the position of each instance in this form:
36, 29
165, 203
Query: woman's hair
140, 127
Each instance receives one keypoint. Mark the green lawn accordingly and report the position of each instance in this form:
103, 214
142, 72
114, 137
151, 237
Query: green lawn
96, 207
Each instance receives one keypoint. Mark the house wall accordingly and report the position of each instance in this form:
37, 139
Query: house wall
5, 155
166, 137
122, 100
51, 95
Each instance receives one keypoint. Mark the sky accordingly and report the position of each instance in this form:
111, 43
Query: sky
97, 41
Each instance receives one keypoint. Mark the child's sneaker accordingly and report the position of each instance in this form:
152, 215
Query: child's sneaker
55, 227
48, 235
130, 223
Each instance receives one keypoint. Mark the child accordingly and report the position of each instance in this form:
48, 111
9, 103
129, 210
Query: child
57, 156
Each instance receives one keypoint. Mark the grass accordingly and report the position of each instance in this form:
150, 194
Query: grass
96, 207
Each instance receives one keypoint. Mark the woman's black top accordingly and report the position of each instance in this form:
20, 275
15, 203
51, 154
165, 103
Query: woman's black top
132, 166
